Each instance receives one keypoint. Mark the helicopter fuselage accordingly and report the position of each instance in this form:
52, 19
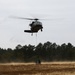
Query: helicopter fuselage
35, 26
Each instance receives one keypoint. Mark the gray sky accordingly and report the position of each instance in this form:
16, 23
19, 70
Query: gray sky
60, 27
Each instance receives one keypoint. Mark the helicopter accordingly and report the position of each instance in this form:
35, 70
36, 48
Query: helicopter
35, 25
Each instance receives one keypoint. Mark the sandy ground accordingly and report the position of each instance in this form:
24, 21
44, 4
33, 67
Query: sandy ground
52, 68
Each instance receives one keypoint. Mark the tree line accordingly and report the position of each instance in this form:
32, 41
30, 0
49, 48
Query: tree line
45, 52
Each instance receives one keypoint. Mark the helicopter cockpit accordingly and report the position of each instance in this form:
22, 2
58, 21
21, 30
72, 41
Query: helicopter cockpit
34, 23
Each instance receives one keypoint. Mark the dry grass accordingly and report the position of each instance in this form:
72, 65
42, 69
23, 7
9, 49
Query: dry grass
52, 68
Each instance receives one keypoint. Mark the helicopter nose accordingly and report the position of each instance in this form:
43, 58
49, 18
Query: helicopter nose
41, 27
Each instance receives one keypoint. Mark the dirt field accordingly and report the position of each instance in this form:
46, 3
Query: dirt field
52, 68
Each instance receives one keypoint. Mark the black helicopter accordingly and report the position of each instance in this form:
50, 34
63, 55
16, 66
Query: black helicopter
35, 25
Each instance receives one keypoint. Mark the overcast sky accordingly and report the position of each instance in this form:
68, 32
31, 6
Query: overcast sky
59, 25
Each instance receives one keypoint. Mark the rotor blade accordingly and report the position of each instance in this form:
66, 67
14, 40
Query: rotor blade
21, 18
53, 19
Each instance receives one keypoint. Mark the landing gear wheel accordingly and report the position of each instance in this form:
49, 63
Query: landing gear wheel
41, 30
